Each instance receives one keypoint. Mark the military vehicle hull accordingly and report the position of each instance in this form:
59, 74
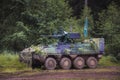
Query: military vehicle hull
66, 55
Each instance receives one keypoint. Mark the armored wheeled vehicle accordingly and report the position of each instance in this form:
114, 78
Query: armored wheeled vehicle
67, 53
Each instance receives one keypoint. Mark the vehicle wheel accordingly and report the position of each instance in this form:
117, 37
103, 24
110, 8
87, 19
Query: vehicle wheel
92, 62
79, 63
50, 63
65, 63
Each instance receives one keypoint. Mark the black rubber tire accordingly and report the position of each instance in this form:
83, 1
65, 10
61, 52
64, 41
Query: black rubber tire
92, 62
79, 63
50, 63
65, 63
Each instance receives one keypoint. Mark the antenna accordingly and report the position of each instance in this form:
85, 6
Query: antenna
86, 20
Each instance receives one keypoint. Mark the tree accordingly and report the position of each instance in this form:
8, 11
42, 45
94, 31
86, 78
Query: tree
30, 19
11, 11
44, 17
109, 27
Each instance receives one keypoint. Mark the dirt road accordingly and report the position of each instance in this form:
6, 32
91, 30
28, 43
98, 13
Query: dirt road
101, 73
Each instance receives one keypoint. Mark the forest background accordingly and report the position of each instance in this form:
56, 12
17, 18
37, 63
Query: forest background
23, 21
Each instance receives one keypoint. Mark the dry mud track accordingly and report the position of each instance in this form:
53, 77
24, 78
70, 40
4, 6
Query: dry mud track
101, 73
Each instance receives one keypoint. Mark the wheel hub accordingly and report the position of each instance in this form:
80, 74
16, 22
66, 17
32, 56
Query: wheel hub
80, 62
51, 63
92, 62
66, 63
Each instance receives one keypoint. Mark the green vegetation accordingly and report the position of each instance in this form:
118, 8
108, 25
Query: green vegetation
109, 61
23, 21
108, 27
9, 62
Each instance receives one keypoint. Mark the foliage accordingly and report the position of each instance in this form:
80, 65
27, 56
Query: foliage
38, 49
109, 61
30, 19
9, 62
23, 21
108, 27
44, 17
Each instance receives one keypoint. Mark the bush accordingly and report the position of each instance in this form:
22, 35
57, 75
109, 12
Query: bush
9, 62
109, 61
